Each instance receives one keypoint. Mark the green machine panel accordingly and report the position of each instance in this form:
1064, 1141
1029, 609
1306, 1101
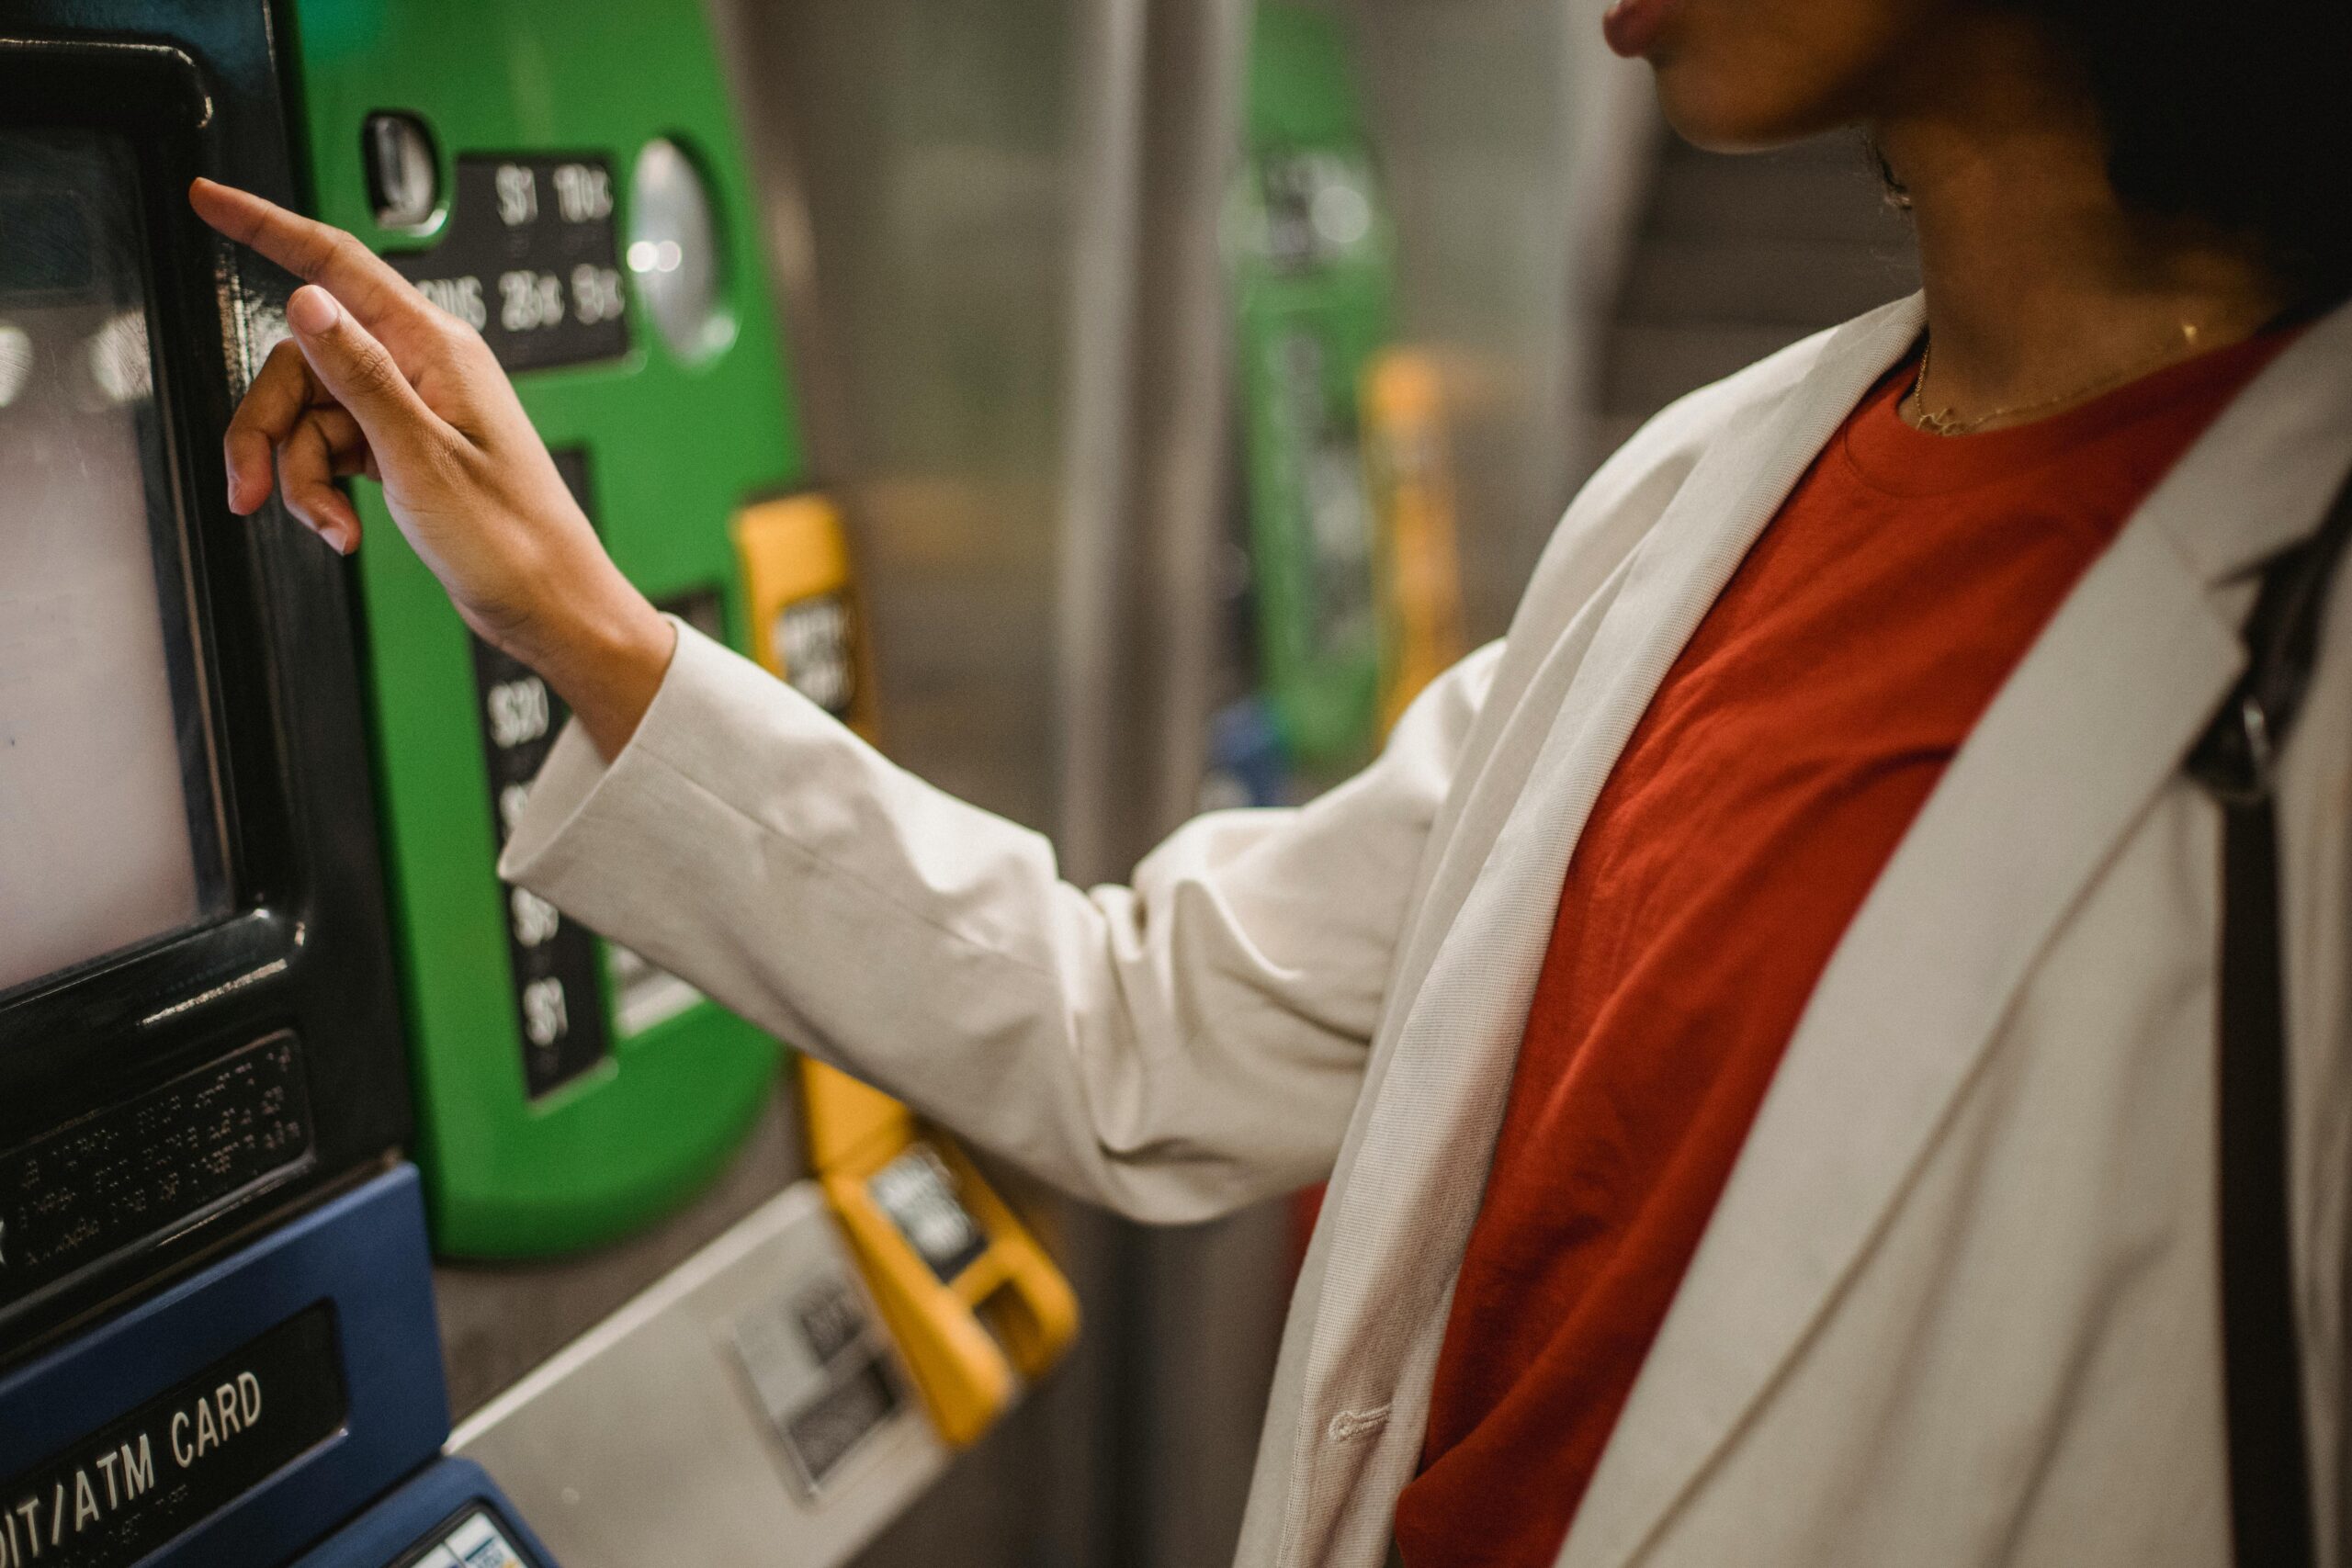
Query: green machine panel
567, 178
1313, 283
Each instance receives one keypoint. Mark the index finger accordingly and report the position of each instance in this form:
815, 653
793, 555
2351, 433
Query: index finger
316, 252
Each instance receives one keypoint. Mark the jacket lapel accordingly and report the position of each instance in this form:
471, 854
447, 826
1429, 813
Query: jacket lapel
2092, 725
1410, 1179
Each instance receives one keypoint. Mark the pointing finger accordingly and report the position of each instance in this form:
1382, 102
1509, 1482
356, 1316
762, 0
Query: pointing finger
316, 252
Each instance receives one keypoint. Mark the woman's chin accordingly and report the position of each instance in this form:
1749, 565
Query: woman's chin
1729, 110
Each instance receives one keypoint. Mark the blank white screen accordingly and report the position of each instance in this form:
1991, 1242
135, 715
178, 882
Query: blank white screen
98, 769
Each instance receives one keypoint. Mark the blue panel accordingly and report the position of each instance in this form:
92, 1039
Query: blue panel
363, 1256
417, 1516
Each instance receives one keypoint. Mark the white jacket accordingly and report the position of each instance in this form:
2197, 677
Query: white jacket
1957, 1306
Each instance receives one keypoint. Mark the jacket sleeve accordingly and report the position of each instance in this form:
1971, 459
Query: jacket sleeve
1174, 1049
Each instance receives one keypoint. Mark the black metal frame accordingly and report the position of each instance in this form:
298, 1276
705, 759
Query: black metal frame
303, 944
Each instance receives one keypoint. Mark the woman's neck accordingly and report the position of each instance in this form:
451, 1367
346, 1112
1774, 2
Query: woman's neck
2041, 288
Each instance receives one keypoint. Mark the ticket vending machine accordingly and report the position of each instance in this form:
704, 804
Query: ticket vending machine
217, 1340
566, 178
197, 1025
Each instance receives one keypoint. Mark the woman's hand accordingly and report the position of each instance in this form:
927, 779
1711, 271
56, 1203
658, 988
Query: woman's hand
377, 380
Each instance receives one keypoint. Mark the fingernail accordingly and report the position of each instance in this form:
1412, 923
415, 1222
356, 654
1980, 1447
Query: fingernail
312, 310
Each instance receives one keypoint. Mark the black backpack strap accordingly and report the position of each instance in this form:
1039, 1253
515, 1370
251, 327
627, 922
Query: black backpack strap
2269, 1449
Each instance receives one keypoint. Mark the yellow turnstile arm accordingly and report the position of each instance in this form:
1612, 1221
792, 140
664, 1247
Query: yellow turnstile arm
975, 1305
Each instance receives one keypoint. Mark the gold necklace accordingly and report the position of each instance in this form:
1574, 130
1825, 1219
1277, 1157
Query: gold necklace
1943, 422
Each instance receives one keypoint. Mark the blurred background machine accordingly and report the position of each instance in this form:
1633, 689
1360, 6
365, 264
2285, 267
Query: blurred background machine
1313, 291
1347, 579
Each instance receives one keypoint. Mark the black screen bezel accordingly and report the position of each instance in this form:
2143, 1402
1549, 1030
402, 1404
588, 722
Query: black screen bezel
304, 945
155, 101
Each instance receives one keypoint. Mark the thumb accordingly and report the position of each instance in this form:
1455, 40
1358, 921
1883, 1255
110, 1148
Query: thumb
360, 374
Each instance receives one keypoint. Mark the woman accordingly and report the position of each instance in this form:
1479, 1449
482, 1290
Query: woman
1759, 1020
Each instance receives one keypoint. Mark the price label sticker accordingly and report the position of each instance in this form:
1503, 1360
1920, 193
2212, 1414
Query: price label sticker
821, 1373
530, 258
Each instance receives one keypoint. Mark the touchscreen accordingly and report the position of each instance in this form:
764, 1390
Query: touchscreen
108, 833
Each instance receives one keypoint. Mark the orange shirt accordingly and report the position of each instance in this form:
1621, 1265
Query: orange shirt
1776, 768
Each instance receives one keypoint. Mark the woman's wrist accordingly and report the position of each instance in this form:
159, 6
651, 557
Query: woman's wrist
607, 660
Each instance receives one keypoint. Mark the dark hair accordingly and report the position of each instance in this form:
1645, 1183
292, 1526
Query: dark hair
2237, 113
